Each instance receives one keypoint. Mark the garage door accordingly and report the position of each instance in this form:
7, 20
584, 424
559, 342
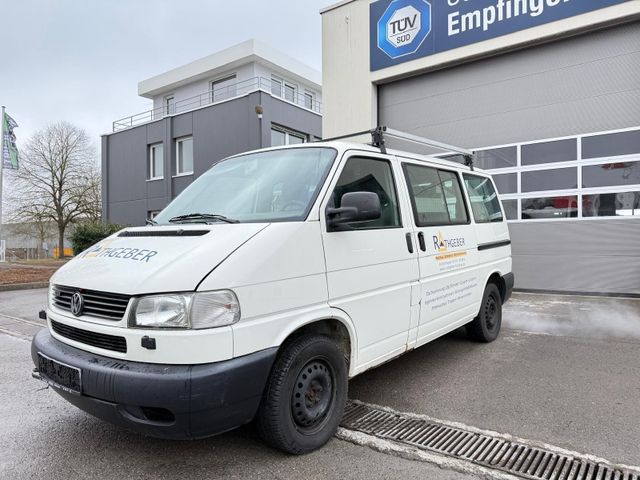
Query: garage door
589, 83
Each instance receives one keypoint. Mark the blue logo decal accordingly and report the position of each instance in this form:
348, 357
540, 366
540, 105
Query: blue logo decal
403, 27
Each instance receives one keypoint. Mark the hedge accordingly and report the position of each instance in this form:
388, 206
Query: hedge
87, 234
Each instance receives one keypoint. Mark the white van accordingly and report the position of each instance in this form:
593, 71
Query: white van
269, 282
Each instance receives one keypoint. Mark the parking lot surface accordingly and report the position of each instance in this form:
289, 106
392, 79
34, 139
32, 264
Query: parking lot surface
43, 437
556, 375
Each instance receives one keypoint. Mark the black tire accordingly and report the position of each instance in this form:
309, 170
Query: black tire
305, 396
486, 326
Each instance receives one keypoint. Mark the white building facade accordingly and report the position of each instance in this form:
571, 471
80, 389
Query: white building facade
232, 72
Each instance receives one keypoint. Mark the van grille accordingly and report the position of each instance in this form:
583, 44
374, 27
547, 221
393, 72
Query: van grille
100, 340
96, 304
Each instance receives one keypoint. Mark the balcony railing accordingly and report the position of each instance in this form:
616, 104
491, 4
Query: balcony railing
226, 92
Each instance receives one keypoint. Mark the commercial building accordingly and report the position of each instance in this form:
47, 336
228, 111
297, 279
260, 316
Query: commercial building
245, 97
547, 92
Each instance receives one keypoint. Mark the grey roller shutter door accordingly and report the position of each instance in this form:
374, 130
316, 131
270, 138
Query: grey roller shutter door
582, 84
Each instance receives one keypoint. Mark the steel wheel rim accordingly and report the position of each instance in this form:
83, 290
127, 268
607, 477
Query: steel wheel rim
491, 313
312, 396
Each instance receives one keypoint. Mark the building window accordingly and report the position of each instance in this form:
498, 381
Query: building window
283, 89
278, 138
611, 174
557, 179
506, 183
294, 138
610, 144
549, 207
484, 199
223, 88
510, 209
156, 161
184, 156
289, 92
497, 158
276, 86
550, 152
611, 204
281, 136
151, 214
169, 105
309, 100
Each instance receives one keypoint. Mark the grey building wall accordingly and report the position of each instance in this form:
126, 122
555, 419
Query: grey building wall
579, 85
218, 131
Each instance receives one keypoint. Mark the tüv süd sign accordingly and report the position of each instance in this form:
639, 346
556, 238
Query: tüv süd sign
403, 30
403, 27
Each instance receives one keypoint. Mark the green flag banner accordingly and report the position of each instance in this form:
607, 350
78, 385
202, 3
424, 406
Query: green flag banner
9, 148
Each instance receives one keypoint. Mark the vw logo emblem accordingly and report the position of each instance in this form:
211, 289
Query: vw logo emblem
77, 304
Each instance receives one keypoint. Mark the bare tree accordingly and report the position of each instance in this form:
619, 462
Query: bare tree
57, 179
93, 195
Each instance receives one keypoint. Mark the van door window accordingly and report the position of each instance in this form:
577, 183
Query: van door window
436, 196
370, 175
453, 197
484, 199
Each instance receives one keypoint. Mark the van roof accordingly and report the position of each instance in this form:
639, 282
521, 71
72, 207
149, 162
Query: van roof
343, 146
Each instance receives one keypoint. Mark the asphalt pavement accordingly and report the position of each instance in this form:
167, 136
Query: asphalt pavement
44, 437
557, 375
19, 311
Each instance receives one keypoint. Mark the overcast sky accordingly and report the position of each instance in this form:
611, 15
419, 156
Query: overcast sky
81, 60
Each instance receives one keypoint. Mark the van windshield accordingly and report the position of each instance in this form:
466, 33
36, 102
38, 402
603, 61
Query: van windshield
274, 186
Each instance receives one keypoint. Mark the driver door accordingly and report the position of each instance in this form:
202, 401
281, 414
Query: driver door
371, 266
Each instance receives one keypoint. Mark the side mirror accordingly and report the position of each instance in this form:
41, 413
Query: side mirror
356, 207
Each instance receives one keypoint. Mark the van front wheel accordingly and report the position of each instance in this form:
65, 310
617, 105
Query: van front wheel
486, 326
305, 396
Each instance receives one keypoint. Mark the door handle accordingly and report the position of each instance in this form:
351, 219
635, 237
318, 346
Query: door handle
409, 242
423, 246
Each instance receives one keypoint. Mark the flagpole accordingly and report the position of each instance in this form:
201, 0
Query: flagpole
1, 165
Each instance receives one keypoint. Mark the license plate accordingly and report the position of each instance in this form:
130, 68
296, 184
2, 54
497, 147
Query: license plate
59, 375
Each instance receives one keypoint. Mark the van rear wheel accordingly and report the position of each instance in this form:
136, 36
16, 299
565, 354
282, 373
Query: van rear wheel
486, 326
305, 396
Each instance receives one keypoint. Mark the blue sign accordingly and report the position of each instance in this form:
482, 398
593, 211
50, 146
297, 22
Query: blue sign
403, 27
403, 30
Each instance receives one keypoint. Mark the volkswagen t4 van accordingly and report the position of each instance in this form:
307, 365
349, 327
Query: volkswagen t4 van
269, 282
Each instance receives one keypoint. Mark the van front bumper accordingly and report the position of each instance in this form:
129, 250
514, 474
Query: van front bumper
166, 401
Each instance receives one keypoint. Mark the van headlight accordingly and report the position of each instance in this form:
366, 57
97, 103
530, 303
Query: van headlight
186, 310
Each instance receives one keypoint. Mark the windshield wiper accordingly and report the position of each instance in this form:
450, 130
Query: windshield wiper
203, 216
150, 221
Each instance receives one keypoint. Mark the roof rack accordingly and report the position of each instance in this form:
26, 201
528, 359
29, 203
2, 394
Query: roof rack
379, 134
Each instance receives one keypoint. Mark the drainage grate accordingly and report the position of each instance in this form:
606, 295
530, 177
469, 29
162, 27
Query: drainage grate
482, 449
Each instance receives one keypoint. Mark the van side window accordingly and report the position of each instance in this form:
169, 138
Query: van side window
484, 199
436, 196
370, 175
454, 198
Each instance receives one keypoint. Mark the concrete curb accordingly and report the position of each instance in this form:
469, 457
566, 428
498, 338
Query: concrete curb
23, 286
